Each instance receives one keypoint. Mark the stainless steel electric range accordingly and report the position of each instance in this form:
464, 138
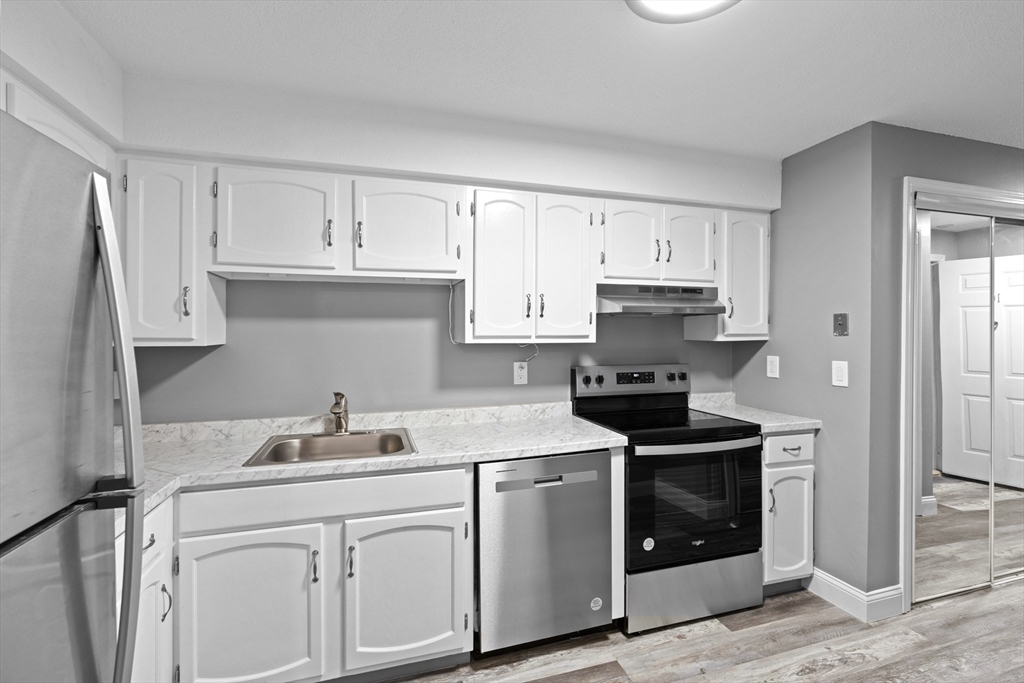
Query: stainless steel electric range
693, 494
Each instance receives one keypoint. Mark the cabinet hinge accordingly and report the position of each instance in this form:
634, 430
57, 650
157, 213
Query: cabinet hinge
472, 316
214, 238
458, 208
458, 251
177, 674
591, 217
714, 228
602, 218
602, 258
591, 317
472, 208
175, 566
769, 318
467, 530
124, 183
214, 188
714, 263
465, 621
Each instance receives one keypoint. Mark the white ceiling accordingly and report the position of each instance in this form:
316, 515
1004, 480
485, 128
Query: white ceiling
764, 78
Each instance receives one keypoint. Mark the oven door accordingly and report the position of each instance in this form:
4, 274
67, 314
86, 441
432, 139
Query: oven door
692, 502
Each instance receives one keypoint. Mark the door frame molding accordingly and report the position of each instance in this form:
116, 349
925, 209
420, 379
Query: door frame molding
949, 196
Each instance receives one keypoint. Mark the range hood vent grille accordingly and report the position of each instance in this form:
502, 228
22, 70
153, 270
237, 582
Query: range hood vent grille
644, 300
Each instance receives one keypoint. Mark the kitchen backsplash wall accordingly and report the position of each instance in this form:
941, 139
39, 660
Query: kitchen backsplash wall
290, 344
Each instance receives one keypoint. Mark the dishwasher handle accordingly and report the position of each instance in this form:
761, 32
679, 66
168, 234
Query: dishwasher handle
531, 482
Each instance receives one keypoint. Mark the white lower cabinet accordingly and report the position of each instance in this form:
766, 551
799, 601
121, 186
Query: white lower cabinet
319, 580
788, 508
403, 575
251, 605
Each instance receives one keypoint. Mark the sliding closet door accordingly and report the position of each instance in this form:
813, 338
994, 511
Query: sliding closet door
952, 533
1008, 399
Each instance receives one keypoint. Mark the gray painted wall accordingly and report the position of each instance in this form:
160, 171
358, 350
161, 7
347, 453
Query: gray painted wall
821, 264
290, 344
836, 247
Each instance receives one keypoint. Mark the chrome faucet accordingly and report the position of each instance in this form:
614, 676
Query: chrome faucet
340, 412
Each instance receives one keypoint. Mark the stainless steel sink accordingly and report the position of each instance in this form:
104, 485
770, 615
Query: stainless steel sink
296, 448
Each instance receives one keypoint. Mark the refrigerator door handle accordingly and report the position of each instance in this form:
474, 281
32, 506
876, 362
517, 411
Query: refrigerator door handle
131, 587
124, 353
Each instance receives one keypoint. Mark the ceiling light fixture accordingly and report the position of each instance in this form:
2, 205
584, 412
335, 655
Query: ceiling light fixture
678, 11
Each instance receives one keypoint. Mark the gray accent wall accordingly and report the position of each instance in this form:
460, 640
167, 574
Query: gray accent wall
386, 346
836, 247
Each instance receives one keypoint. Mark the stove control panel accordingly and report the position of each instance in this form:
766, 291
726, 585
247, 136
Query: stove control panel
610, 380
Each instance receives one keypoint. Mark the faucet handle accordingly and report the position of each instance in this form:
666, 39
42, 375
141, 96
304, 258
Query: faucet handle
338, 397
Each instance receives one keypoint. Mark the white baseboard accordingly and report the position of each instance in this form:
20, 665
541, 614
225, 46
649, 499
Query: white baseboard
928, 506
866, 606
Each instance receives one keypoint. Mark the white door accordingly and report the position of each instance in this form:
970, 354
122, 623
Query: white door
690, 244
160, 242
404, 584
406, 226
504, 229
565, 290
633, 240
154, 639
746, 274
788, 512
250, 605
276, 218
964, 324
1008, 466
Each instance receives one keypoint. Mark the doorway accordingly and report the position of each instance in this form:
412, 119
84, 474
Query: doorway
963, 445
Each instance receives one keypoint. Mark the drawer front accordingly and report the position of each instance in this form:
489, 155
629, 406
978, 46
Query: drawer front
789, 448
280, 504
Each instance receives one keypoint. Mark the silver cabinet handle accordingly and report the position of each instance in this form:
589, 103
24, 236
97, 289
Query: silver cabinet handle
170, 602
330, 232
542, 305
730, 308
150, 544
657, 243
528, 305
792, 450
351, 561
772, 493
359, 234
315, 577
669, 257
184, 300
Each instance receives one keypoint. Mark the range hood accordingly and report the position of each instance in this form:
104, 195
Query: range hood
657, 300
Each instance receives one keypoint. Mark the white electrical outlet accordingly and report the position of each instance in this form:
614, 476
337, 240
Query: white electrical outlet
773, 366
840, 373
519, 372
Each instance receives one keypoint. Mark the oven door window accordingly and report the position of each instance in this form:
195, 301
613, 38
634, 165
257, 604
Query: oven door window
689, 508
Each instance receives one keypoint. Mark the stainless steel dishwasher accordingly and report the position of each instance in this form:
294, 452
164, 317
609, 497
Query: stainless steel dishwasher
545, 548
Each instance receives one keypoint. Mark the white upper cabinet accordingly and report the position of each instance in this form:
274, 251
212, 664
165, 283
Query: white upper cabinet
531, 278
689, 244
160, 241
565, 289
746, 274
744, 245
408, 226
403, 578
504, 231
633, 240
275, 218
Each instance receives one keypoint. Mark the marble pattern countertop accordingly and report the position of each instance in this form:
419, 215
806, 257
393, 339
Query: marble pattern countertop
211, 454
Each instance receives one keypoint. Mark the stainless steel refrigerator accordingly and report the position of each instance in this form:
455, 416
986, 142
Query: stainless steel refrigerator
63, 331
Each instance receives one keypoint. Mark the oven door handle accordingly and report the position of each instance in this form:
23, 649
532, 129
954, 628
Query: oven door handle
697, 448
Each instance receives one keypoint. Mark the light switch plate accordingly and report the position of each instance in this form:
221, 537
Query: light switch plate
773, 366
840, 373
841, 325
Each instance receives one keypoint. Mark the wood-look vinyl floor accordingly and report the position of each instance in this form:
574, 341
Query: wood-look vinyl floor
793, 637
952, 546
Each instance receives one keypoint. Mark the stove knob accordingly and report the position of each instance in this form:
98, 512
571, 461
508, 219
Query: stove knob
600, 380
586, 380
671, 377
